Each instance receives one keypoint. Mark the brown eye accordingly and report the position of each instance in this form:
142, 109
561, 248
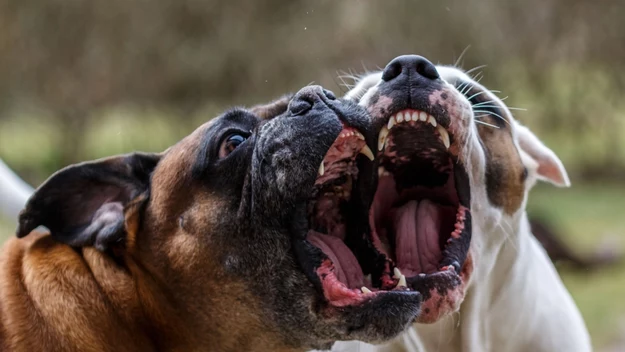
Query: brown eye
230, 144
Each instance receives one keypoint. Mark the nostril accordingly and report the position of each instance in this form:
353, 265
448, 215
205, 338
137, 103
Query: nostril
329, 94
427, 69
299, 106
392, 70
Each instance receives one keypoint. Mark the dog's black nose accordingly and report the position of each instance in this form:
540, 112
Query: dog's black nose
408, 65
304, 100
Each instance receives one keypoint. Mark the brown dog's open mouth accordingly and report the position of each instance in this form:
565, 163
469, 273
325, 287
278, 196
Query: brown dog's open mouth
347, 274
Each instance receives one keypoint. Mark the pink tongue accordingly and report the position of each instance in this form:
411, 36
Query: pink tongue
417, 227
346, 266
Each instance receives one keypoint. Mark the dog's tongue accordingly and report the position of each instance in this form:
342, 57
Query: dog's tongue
417, 226
346, 266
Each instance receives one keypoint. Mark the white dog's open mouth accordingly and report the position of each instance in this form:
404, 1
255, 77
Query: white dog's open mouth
420, 217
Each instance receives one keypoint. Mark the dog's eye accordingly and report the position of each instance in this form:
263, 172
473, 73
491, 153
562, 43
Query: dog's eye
230, 144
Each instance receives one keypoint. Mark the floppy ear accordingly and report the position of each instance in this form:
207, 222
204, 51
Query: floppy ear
85, 204
273, 109
548, 166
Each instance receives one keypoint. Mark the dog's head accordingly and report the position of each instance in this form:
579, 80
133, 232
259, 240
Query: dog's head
237, 234
451, 162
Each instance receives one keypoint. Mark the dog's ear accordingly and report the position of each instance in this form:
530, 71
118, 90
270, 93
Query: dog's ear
549, 168
85, 204
273, 109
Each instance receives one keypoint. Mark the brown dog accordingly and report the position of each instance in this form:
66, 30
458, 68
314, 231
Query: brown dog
205, 246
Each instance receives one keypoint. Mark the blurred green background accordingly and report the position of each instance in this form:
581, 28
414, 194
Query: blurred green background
85, 79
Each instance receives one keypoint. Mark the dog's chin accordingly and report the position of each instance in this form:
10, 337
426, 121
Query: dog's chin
420, 216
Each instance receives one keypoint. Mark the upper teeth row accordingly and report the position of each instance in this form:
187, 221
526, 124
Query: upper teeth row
352, 133
411, 116
366, 151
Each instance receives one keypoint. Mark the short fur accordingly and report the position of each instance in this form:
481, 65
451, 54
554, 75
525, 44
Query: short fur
515, 299
186, 250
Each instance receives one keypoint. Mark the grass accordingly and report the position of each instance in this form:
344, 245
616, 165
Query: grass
585, 215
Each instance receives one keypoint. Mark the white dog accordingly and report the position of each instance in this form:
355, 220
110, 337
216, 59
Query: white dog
505, 294
13, 193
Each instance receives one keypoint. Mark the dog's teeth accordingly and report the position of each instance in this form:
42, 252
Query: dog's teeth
444, 136
367, 152
391, 122
422, 275
402, 282
451, 268
360, 136
431, 120
365, 290
380, 171
322, 170
400, 117
396, 273
414, 116
423, 116
382, 138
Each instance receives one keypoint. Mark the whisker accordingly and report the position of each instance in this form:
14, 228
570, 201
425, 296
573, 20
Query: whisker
487, 124
475, 68
461, 55
475, 95
492, 113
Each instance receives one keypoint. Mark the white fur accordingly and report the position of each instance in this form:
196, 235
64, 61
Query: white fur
13, 193
515, 299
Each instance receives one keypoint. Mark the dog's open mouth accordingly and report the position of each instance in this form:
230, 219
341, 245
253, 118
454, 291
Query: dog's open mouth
345, 271
420, 217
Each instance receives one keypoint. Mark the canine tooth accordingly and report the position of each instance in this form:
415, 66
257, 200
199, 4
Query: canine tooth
367, 152
422, 275
391, 122
402, 282
444, 136
322, 170
431, 120
380, 171
423, 116
365, 290
396, 273
360, 136
400, 117
414, 116
382, 138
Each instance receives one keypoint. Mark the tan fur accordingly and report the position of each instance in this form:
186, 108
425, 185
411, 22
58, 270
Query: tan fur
58, 298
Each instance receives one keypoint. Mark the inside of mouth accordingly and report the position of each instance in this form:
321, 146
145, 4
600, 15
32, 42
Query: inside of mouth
328, 203
421, 199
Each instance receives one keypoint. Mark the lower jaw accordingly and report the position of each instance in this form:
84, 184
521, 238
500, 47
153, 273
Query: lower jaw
443, 292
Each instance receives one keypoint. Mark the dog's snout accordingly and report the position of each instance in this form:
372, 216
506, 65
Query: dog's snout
307, 97
410, 65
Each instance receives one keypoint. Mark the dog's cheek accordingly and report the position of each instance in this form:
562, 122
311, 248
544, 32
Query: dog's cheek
505, 175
